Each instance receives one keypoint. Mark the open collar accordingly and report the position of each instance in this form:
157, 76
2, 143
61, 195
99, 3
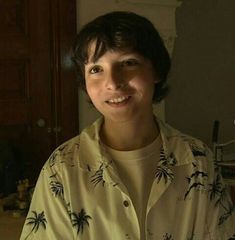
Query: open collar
92, 154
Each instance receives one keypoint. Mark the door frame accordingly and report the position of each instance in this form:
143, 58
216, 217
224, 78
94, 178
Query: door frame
64, 85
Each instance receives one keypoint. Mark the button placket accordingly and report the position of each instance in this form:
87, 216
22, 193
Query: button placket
131, 215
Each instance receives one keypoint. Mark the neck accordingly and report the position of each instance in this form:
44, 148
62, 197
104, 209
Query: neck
130, 135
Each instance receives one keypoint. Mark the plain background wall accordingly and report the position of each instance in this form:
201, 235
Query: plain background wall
202, 79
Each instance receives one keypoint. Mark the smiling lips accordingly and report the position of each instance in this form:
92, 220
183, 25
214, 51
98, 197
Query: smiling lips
118, 100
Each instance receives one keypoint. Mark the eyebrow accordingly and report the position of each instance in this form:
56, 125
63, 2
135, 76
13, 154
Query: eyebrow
92, 60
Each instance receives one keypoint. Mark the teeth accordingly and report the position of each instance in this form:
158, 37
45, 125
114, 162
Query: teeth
117, 100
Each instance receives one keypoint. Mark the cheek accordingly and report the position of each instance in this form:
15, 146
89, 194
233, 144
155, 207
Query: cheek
144, 82
89, 90
93, 93
90, 87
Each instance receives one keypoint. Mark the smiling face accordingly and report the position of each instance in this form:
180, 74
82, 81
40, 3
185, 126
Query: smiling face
120, 84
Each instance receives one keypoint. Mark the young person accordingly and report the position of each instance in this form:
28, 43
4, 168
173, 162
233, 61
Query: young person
128, 175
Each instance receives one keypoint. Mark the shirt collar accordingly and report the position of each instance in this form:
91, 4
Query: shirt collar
92, 154
175, 144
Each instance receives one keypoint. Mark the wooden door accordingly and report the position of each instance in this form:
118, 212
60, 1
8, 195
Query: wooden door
38, 95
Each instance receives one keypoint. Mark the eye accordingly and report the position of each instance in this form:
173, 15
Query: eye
95, 69
130, 62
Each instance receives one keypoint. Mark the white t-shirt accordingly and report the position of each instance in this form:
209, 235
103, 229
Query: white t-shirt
136, 169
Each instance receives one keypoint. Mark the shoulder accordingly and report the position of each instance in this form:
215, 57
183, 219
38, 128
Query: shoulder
78, 151
186, 149
63, 156
179, 139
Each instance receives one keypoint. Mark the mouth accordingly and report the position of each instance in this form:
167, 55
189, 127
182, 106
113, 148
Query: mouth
118, 100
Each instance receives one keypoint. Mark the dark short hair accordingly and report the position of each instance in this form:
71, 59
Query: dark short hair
123, 30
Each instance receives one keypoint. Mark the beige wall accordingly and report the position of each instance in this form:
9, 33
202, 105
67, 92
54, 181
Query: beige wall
203, 72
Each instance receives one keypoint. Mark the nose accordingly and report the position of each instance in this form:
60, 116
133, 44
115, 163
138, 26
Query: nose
114, 78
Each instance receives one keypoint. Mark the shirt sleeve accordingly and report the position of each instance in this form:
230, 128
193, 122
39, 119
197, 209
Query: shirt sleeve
48, 216
221, 212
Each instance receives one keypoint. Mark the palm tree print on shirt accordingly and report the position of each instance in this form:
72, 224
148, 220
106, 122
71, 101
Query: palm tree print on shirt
196, 181
80, 220
197, 149
165, 160
167, 236
163, 171
56, 187
215, 188
98, 176
60, 153
219, 195
227, 214
37, 221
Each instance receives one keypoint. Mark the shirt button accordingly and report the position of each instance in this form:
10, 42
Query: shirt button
126, 203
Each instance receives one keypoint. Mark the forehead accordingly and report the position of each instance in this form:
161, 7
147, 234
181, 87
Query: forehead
91, 48
96, 51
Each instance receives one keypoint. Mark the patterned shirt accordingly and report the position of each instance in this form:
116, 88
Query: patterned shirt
79, 194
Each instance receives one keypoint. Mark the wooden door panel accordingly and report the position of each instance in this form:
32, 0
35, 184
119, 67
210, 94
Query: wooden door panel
13, 17
14, 79
14, 91
65, 99
25, 81
36, 82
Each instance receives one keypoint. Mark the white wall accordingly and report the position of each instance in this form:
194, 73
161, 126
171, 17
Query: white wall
203, 74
